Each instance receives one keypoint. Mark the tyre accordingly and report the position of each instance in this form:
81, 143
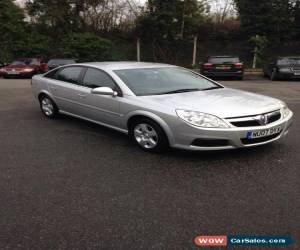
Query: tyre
48, 107
273, 76
148, 135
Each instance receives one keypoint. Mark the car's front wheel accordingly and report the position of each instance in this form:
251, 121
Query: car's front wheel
48, 107
148, 135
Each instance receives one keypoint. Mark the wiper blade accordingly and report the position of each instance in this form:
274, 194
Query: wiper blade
211, 88
180, 91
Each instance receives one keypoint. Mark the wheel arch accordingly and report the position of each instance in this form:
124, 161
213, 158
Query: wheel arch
45, 93
145, 114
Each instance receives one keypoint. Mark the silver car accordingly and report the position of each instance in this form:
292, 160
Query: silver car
161, 105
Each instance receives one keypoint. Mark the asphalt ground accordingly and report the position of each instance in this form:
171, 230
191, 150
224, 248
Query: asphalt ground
70, 184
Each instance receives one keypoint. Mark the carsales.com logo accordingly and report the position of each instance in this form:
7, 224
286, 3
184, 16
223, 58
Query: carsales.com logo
242, 240
211, 241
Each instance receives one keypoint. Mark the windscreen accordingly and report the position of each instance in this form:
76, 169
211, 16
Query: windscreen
223, 60
18, 63
167, 80
25, 62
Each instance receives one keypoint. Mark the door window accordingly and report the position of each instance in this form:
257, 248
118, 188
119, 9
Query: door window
96, 78
69, 74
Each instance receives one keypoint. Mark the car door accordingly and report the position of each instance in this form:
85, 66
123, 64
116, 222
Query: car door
65, 86
100, 108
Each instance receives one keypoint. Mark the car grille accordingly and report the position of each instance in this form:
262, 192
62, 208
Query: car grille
247, 141
210, 143
255, 121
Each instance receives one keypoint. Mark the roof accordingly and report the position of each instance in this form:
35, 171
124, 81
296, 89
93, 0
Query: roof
125, 65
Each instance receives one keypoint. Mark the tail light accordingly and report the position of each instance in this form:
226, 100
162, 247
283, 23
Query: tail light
207, 65
238, 65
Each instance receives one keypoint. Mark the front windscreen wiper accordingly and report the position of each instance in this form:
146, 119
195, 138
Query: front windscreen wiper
180, 91
216, 87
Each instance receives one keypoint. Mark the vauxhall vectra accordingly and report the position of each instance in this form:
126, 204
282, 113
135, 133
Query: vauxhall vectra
161, 106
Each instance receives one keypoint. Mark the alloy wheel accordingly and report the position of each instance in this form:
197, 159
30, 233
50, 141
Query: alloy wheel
146, 136
47, 106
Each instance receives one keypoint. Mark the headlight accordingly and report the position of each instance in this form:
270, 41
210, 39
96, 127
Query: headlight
285, 112
201, 119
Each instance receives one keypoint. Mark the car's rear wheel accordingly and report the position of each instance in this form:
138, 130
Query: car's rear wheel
48, 107
148, 135
274, 76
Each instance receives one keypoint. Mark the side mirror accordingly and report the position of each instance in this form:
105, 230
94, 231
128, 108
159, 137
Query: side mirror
104, 91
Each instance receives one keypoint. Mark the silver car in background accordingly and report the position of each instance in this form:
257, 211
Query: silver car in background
161, 105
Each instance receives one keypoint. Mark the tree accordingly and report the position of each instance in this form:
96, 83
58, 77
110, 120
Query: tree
222, 10
85, 47
171, 19
12, 28
82, 15
265, 17
56, 16
259, 43
295, 16
167, 24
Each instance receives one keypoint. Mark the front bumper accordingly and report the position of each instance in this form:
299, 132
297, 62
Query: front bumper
288, 75
186, 135
18, 74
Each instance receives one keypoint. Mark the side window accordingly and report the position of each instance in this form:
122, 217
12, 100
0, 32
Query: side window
51, 74
95, 78
69, 74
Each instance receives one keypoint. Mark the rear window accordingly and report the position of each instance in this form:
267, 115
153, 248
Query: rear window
288, 61
217, 60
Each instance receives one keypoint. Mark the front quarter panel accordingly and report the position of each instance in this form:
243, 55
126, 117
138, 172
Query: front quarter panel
133, 106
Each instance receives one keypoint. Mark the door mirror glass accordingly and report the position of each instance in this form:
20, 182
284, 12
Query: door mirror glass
104, 91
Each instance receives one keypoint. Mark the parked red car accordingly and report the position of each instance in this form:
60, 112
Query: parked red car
24, 67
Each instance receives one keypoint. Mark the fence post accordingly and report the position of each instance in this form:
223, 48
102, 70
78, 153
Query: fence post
195, 50
255, 57
138, 50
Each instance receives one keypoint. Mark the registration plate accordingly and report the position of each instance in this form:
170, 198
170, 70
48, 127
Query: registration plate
12, 73
223, 67
297, 74
264, 132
